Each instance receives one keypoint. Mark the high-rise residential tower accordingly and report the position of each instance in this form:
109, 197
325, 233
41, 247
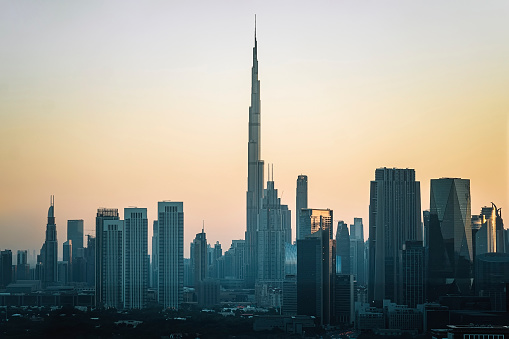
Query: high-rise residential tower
112, 263
135, 258
394, 218
450, 249
49, 252
171, 254
103, 214
301, 201
254, 173
75, 233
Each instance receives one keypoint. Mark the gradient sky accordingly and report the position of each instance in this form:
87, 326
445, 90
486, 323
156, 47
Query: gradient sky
127, 103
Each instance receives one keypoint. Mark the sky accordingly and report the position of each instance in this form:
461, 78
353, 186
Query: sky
127, 103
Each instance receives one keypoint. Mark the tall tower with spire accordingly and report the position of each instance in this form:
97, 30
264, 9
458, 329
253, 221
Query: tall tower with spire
254, 173
49, 250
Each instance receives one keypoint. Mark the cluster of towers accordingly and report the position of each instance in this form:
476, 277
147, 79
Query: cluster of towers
409, 258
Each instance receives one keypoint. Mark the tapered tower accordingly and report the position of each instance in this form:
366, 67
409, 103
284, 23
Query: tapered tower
254, 173
50, 247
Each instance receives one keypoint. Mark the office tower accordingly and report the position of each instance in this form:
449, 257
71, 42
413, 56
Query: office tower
103, 214
49, 252
450, 237
22, 269
112, 262
67, 257
254, 174
90, 261
135, 258
357, 248
67, 251
491, 276
217, 253
234, 265
155, 256
171, 253
412, 274
301, 201
289, 306
312, 220
342, 249
344, 296
394, 218
5, 268
200, 261
316, 272
75, 233
271, 238
500, 231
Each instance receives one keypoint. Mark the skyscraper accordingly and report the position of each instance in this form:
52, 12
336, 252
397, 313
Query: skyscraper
316, 272
394, 218
102, 215
171, 253
5, 268
200, 257
271, 237
112, 263
135, 257
22, 269
49, 252
357, 248
450, 258
342, 249
155, 255
75, 233
301, 201
312, 220
254, 173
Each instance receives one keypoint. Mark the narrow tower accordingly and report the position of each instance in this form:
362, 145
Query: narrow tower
50, 247
254, 173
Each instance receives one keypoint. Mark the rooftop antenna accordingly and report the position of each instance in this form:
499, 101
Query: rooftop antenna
255, 27
203, 227
272, 172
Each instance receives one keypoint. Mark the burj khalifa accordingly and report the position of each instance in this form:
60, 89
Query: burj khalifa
254, 174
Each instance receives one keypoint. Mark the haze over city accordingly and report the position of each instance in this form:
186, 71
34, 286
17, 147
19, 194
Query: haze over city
123, 104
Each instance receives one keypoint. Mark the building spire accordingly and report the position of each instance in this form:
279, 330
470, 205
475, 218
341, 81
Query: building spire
255, 27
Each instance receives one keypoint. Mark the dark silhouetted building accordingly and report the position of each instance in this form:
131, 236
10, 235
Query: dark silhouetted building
5, 268
135, 258
49, 251
301, 201
394, 218
75, 234
103, 214
492, 275
171, 254
450, 250
412, 274
343, 249
316, 272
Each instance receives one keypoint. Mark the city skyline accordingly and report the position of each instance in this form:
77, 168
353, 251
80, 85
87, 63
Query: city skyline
71, 125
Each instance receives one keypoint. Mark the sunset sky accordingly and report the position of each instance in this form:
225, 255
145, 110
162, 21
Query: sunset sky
127, 103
